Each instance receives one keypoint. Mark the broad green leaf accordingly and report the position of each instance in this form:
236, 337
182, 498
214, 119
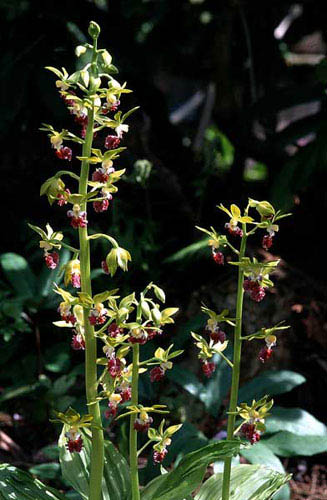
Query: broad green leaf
19, 274
260, 454
270, 382
294, 420
248, 482
20, 485
287, 444
75, 469
185, 478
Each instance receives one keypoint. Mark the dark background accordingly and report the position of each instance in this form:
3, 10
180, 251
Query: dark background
259, 130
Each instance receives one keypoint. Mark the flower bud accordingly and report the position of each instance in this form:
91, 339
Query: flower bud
106, 57
94, 30
117, 257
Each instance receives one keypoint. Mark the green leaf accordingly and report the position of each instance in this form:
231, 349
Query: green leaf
75, 469
270, 382
20, 485
248, 482
185, 478
19, 274
294, 420
260, 454
287, 444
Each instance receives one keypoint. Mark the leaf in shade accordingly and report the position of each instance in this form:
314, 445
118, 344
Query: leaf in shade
270, 382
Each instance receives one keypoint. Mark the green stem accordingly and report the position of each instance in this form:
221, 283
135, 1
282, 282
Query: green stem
97, 451
143, 447
236, 368
225, 358
72, 249
132, 431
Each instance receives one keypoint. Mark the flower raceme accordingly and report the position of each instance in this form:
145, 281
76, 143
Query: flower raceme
254, 280
93, 97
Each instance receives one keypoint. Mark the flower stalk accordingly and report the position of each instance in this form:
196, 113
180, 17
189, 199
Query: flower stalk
236, 367
97, 453
132, 430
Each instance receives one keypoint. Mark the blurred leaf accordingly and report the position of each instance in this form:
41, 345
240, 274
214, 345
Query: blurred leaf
287, 444
57, 358
46, 471
255, 172
270, 382
19, 274
19, 391
188, 380
189, 252
294, 420
183, 333
63, 384
51, 451
248, 482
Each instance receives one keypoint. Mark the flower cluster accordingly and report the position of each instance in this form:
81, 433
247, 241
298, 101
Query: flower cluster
73, 425
254, 418
217, 339
162, 438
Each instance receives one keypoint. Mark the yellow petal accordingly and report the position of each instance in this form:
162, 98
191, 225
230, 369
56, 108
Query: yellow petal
236, 212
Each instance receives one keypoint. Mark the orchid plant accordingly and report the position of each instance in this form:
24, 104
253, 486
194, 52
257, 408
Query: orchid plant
120, 324
254, 280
